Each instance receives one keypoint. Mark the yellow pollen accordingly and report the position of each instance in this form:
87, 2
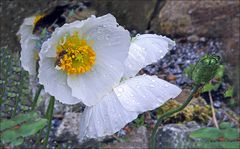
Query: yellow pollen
37, 18
75, 55
36, 55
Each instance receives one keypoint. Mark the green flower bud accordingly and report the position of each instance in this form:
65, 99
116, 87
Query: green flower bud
205, 69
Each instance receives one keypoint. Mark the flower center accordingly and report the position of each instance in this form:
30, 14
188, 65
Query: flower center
74, 55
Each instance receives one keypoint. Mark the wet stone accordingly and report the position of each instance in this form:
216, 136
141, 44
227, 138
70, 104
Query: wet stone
176, 135
69, 127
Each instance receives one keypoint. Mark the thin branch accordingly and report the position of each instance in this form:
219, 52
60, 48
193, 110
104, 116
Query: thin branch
213, 110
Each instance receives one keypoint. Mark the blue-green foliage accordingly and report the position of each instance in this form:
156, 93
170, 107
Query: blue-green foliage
14, 86
15, 98
14, 130
225, 137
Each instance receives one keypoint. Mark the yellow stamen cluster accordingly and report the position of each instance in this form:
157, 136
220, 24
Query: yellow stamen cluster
74, 55
37, 18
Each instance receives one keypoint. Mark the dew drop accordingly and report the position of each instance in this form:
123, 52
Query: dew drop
153, 80
151, 85
166, 85
107, 37
120, 89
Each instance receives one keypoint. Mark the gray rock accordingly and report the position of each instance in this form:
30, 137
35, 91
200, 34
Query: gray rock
137, 140
69, 128
134, 14
176, 135
193, 38
211, 18
69, 131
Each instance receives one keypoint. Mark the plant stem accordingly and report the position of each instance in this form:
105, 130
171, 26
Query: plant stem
49, 115
36, 97
39, 137
213, 111
169, 113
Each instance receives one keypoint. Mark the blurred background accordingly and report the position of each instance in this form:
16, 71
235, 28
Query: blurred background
197, 26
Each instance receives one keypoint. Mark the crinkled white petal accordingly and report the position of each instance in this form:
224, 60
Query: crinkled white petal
143, 93
28, 56
105, 118
108, 37
123, 104
144, 50
93, 85
55, 81
28, 42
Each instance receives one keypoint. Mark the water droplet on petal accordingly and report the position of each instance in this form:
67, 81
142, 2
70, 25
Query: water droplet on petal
153, 80
151, 85
120, 89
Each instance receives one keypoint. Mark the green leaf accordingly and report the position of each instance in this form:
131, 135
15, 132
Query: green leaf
225, 125
32, 128
220, 71
229, 92
18, 141
206, 133
9, 136
208, 145
139, 121
188, 71
27, 125
229, 145
230, 133
217, 145
207, 87
9, 123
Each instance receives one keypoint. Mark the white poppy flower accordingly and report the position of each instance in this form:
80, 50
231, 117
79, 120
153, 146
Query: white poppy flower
29, 53
83, 60
132, 96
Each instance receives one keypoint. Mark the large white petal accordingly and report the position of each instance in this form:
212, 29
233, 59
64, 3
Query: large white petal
105, 118
107, 37
26, 29
143, 93
55, 81
93, 85
121, 106
144, 50
28, 55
